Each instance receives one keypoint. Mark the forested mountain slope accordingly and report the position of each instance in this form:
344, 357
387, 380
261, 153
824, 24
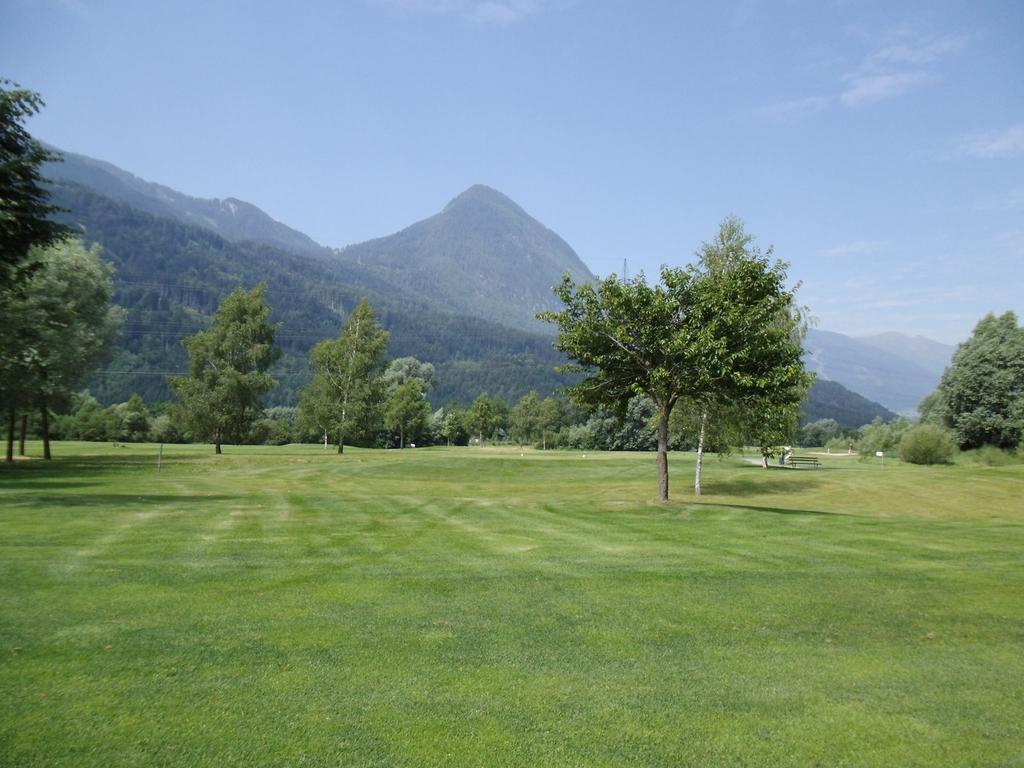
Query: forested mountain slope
482, 255
171, 276
831, 400
232, 219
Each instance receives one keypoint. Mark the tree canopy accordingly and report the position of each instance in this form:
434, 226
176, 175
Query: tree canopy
25, 210
346, 383
710, 333
981, 394
407, 411
228, 363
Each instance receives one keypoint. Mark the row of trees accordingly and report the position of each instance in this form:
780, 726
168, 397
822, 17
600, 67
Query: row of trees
54, 294
354, 395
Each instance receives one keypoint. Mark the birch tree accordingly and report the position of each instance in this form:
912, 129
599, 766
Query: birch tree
346, 382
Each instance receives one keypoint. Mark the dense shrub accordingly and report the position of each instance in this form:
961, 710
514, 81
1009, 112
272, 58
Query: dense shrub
881, 436
819, 432
926, 444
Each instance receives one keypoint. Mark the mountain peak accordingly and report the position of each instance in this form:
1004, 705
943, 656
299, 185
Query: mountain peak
482, 255
481, 194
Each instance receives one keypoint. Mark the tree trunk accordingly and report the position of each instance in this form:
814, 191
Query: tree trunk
45, 416
10, 434
663, 452
700, 453
216, 443
24, 429
401, 439
764, 460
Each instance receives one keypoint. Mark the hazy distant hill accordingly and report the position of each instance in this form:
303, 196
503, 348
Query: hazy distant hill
892, 379
932, 356
232, 219
482, 255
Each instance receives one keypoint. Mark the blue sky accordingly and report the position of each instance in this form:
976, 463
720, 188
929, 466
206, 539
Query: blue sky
878, 146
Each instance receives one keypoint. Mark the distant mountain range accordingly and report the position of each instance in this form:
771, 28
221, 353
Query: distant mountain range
460, 289
892, 369
234, 220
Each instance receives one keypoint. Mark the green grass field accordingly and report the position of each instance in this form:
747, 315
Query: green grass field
449, 607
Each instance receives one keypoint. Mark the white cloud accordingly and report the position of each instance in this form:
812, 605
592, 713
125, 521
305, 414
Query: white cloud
905, 62
898, 68
855, 248
866, 89
917, 54
789, 110
497, 12
1008, 142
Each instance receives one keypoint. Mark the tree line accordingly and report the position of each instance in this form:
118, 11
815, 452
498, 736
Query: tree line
707, 357
54, 294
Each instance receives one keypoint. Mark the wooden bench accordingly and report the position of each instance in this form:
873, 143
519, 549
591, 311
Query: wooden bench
803, 461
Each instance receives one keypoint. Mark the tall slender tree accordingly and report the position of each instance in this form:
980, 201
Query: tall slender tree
480, 416
525, 418
228, 368
765, 415
346, 385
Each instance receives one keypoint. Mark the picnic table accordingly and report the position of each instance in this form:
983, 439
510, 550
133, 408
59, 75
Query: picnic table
803, 461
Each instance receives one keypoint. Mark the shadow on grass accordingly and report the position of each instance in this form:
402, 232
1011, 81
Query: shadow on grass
771, 510
62, 468
121, 501
762, 486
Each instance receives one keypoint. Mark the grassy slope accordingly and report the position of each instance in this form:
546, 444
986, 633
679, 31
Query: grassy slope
476, 607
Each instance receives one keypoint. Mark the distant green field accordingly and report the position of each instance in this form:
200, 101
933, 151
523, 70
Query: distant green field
449, 607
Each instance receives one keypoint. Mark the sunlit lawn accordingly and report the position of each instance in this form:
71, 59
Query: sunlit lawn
286, 606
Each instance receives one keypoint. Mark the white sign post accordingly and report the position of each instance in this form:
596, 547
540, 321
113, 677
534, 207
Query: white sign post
881, 455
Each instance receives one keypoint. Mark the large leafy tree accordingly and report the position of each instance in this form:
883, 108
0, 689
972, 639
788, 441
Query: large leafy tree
58, 326
525, 418
346, 387
25, 209
403, 369
769, 415
702, 335
228, 368
981, 395
407, 411
481, 417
